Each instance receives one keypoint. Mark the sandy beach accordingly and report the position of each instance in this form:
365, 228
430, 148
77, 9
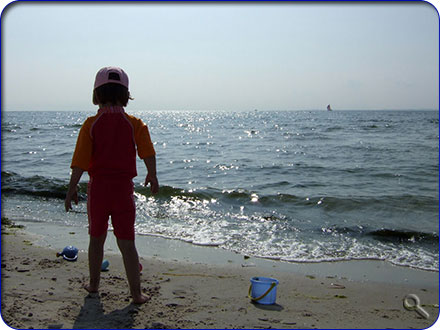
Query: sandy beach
40, 290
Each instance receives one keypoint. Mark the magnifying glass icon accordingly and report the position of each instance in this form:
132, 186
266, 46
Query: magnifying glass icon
412, 303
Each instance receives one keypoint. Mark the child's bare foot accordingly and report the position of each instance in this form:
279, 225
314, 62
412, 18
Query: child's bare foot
141, 299
90, 289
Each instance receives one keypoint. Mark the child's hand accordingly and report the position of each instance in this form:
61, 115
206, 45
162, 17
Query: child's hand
71, 195
154, 183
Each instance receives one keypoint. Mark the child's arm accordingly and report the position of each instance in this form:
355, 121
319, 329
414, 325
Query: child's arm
150, 163
72, 193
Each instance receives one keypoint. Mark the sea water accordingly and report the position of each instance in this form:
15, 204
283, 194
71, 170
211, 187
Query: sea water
300, 186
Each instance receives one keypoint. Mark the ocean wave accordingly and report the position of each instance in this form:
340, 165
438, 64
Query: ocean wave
402, 236
39, 186
215, 217
14, 183
384, 234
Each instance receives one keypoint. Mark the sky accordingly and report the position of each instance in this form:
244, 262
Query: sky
211, 56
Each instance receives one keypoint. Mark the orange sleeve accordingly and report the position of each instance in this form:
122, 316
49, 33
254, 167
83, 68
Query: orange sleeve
142, 138
84, 145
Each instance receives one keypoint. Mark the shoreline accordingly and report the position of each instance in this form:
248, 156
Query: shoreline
375, 271
42, 291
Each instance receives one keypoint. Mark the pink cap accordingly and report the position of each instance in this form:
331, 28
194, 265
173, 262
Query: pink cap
111, 74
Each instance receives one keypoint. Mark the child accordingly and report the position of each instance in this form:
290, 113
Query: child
106, 148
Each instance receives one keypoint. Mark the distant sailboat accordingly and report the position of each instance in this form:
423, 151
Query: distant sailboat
329, 108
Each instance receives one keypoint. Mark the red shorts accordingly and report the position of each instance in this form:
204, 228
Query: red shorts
111, 198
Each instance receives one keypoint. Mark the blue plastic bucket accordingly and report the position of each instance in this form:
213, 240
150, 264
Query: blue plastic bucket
263, 290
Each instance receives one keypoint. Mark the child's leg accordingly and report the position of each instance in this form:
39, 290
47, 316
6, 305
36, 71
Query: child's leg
131, 263
96, 253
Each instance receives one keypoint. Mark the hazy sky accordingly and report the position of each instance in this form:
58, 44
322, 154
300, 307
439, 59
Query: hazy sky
215, 56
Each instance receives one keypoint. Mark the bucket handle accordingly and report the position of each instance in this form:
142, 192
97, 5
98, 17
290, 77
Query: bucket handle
263, 295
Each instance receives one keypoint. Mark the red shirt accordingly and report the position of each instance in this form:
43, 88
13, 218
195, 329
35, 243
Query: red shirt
107, 144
